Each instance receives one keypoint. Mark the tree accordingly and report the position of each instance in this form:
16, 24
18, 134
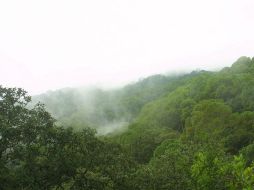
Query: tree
35, 153
207, 121
168, 169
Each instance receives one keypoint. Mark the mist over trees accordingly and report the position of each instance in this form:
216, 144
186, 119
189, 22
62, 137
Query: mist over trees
104, 110
193, 131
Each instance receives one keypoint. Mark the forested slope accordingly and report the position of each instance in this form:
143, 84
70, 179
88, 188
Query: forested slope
207, 101
192, 131
99, 108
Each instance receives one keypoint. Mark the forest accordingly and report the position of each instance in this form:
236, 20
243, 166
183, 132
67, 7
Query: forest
191, 131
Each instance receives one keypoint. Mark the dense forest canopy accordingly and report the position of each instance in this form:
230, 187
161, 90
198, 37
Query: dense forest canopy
192, 131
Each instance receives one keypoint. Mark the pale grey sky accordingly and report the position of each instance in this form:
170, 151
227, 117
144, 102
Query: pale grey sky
52, 44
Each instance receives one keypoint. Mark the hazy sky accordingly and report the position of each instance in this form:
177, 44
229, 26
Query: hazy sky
52, 44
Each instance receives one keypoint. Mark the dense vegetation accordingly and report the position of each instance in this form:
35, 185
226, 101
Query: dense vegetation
193, 131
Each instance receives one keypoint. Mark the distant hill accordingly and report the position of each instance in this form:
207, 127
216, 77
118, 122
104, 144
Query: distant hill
98, 108
191, 131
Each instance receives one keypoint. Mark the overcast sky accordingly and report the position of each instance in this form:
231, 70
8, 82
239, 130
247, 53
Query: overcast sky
52, 44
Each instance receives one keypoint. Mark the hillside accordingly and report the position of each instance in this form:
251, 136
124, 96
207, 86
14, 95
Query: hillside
99, 108
207, 103
192, 131
159, 107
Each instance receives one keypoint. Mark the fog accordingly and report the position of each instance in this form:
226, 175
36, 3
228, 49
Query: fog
106, 110
54, 44
114, 127
87, 107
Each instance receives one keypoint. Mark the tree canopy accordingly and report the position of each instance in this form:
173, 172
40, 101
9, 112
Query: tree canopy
192, 131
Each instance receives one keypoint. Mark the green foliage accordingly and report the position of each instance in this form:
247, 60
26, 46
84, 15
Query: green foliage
240, 131
208, 118
207, 171
248, 153
171, 166
215, 171
142, 143
168, 169
241, 177
194, 131
36, 154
